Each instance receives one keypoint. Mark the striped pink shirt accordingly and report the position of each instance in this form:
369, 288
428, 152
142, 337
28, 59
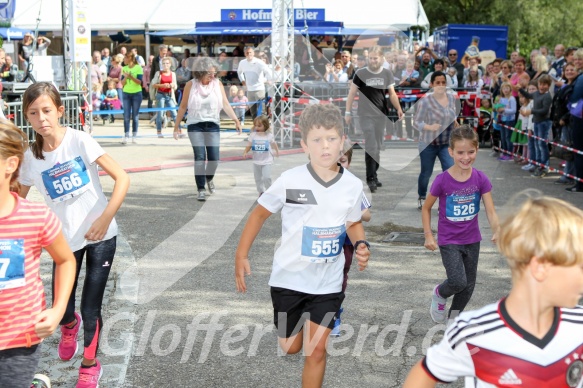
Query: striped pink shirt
23, 234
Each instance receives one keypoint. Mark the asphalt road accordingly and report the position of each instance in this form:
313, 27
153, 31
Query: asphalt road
173, 317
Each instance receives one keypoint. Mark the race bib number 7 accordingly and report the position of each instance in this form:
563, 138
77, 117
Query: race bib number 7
322, 245
12, 264
462, 207
66, 180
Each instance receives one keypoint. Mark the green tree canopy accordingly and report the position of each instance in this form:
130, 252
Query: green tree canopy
531, 23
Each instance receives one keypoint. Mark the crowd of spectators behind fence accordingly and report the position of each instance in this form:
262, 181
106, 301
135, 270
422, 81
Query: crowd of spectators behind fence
410, 69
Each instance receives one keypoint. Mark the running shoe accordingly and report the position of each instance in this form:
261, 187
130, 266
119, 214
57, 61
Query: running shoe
562, 181
437, 309
124, 140
526, 167
134, 140
89, 377
68, 345
574, 189
337, 322
201, 196
372, 185
40, 381
379, 184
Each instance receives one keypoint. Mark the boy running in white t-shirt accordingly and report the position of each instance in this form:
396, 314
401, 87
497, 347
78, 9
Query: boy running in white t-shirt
320, 204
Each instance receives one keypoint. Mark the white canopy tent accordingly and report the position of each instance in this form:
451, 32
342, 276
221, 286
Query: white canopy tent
156, 15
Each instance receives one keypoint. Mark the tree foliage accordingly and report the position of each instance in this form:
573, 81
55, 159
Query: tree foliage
531, 23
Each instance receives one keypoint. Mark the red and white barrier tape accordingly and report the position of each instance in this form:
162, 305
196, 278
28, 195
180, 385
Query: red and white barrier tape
534, 163
540, 138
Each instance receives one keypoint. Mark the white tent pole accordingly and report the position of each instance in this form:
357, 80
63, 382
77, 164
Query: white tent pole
147, 41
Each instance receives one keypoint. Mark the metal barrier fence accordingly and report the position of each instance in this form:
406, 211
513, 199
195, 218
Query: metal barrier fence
337, 93
71, 117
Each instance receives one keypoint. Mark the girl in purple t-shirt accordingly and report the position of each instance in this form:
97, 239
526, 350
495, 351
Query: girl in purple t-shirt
460, 190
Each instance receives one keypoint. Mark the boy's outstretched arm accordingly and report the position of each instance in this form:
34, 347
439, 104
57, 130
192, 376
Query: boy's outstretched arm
250, 231
426, 220
491, 214
355, 232
418, 378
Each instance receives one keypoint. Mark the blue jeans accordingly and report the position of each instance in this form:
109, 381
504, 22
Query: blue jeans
163, 100
98, 262
531, 148
505, 135
131, 107
205, 140
428, 154
542, 149
240, 113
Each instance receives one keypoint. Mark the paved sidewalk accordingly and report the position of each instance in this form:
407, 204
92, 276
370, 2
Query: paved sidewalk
173, 273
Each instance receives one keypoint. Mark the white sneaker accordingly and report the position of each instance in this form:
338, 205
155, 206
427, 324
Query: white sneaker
437, 310
201, 196
134, 140
124, 140
526, 167
211, 186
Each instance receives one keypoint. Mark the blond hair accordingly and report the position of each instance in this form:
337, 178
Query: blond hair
13, 142
505, 84
544, 227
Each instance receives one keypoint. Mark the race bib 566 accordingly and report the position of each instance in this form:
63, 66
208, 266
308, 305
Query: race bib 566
66, 180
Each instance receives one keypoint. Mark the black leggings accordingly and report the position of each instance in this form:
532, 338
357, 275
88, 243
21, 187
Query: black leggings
461, 267
99, 261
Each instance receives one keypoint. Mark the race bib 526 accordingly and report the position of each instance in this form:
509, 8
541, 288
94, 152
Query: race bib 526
322, 245
66, 180
462, 207
12, 263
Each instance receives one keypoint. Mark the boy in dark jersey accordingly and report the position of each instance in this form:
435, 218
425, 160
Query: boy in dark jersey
534, 336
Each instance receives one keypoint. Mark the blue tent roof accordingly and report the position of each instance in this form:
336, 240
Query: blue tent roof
265, 29
13, 33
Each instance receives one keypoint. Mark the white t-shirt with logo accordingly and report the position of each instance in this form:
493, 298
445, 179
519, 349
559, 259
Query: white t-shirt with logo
260, 143
69, 182
314, 214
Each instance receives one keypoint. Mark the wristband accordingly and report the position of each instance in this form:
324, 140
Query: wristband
347, 114
363, 242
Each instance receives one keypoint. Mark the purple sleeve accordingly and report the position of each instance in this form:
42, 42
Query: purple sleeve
485, 184
436, 186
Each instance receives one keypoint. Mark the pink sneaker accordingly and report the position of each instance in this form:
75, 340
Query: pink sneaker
89, 377
68, 344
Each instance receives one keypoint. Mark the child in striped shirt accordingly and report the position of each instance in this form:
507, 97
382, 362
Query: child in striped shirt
26, 228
